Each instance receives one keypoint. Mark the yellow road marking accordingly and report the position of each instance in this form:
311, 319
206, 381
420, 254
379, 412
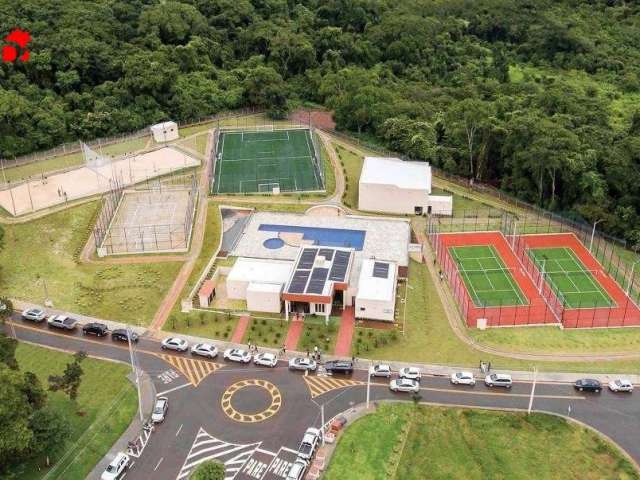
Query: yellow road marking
194, 370
321, 385
270, 411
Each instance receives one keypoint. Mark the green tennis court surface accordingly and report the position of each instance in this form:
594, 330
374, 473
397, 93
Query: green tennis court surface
488, 281
250, 162
573, 284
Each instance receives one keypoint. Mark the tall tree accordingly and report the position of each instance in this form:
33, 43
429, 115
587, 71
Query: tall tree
69, 382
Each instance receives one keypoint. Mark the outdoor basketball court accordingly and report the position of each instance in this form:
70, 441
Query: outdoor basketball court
261, 161
574, 285
486, 277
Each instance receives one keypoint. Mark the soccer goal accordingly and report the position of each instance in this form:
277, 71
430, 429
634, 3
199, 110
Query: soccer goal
272, 187
93, 159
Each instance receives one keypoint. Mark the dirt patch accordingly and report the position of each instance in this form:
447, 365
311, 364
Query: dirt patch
319, 118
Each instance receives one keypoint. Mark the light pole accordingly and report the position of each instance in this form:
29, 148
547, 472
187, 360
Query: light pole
631, 277
593, 232
533, 389
134, 369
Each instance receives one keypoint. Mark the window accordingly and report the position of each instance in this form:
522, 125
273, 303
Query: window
319, 307
362, 309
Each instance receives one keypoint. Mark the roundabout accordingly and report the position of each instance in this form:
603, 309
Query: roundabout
239, 401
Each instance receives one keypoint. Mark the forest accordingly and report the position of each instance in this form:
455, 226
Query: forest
540, 98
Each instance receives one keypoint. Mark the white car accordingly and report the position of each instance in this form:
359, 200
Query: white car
302, 363
237, 355
380, 370
621, 385
175, 343
404, 385
463, 378
204, 350
34, 314
117, 467
266, 359
412, 373
63, 322
297, 469
160, 410
498, 380
309, 444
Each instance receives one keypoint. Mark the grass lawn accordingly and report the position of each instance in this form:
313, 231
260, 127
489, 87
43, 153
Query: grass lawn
197, 142
106, 398
38, 168
317, 333
352, 166
202, 324
121, 148
48, 248
400, 441
266, 332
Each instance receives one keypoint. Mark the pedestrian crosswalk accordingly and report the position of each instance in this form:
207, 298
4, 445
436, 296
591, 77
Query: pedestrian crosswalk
207, 447
319, 385
194, 370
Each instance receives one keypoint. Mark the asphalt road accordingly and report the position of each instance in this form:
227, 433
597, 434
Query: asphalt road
252, 418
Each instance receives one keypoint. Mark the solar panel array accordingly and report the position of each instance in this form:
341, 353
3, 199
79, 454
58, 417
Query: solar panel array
381, 270
307, 258
339, 267
311, 280
299, 281
318, 279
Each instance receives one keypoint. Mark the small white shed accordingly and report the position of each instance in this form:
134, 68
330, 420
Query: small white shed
376, 297
259, 282
165, 132
264, 297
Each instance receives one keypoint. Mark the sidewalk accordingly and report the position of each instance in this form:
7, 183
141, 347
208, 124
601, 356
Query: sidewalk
345, 332
293, 334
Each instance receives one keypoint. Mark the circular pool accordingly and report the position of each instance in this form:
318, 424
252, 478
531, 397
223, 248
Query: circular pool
273, 243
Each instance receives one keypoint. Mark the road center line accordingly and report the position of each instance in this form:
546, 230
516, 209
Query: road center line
173, 389
158, 464
179, 429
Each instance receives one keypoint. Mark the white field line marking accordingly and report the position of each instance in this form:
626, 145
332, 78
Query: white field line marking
173, 389
179, 429
158, 464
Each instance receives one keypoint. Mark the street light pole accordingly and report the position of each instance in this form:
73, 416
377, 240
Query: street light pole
593, 232
134, 369
368, 385
533, 389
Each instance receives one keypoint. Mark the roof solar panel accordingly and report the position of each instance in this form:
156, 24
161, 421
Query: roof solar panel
307, 258
299, 281
326, 253
339, 267
381, 270
318, 279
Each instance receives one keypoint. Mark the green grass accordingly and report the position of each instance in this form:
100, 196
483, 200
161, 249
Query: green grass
38, 168
104, 387
47, 248
352, 167
197, 143
569, 279
485, 276
405, 442
266, 332
251, 159
317, 333
121, 148
202, 324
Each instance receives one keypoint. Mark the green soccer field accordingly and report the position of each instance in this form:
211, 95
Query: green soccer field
488, 281
250, 162
574, 285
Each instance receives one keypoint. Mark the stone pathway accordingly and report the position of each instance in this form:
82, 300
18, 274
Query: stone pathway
345, 333
293, 334
241, 328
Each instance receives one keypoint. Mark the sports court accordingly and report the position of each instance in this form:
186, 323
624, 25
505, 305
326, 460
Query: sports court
574, 285
486, 277
261, 161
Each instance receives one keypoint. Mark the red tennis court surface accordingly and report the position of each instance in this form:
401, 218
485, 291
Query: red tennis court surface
624, 313
538, 310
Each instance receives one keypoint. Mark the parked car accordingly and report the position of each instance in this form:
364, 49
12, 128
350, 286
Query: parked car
63, 322
621, 385
160, 410
339, 366
95, 328
309, 443
412, 373
463, 378
237, 355
266, 359
302, 363
297, 469
404, 385
498, 380
204, 350
588, 385
34, 314
117, 467
175, 343
122, 335
380, 370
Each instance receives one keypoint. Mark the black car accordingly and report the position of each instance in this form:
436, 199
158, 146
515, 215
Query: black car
588, 385
122, 335
339, 366
97, 329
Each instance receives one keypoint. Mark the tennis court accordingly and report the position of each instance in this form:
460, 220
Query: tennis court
486, 277
261, 161
575, 286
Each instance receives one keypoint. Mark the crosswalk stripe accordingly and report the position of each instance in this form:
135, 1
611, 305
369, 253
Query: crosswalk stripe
194, 370
321, 385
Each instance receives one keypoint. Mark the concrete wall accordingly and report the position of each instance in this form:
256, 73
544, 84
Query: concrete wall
390, 199
260, 301
441, 204
237, 289
375, 310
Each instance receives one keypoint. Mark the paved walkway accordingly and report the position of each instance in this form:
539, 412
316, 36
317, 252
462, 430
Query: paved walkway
241, 328
345, 333
293, 334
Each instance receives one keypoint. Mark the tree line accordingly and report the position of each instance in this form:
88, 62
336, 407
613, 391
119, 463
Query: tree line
537, 97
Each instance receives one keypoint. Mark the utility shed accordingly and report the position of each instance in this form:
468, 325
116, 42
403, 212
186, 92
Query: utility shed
165, 131
376, 296
264, 297
247, 271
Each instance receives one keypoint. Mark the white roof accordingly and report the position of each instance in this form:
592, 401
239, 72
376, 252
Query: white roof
375, 288
264, 287
394, 171
163, 125
258, 270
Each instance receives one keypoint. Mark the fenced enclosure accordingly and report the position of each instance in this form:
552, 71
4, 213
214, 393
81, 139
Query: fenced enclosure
154, 217
267, 159
598, 290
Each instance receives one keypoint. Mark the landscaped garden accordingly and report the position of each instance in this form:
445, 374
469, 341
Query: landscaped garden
266, 332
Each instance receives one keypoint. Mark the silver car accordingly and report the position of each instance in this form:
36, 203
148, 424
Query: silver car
34, 314
266, 359
404, 385
204, 350
175, 343
160, 410
302, 363
463, 378
380, 370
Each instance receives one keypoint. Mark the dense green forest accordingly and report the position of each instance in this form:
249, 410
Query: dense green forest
538, 97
